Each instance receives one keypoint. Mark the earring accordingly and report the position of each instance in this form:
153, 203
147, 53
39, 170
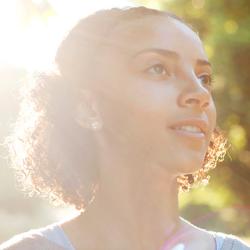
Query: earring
87, 121
96, 125
92, 123
87, 113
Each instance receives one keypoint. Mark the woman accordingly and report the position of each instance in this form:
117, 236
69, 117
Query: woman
126, 121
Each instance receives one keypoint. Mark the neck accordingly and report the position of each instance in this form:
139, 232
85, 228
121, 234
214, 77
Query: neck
136, 206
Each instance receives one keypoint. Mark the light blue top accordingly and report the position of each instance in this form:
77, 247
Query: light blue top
219, 239
56, 234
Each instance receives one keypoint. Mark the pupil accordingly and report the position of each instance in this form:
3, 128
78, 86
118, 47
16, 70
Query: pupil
206, 80
158, 69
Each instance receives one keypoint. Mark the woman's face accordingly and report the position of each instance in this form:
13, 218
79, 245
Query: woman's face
154, 76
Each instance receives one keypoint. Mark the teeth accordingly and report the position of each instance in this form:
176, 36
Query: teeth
190, 128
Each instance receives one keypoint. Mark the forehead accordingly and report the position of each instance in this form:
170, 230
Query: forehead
156, 32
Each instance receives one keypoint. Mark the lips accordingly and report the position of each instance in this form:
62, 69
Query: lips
195, 122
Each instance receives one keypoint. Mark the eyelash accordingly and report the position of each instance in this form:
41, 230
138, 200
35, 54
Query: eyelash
157, 65
210, 77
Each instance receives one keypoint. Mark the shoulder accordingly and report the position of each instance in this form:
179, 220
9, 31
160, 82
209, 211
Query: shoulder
229, 241
30, 240
211, 239
194, 237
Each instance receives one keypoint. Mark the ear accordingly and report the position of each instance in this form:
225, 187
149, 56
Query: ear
87, 113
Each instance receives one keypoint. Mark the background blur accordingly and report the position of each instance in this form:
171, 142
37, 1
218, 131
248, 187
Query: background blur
30, 32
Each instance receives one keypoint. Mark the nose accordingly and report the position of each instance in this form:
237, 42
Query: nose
195, 95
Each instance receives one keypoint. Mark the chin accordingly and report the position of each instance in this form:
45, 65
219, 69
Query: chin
191, 166
187, 166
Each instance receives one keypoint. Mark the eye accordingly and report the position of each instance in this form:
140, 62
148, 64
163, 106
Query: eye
157, 70
206, 80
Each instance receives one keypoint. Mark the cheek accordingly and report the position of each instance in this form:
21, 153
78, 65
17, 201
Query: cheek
149, 108
151, 98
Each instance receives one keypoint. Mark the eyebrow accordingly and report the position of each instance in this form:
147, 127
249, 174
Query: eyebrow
172, 54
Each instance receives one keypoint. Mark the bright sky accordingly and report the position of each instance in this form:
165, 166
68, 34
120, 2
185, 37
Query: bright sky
33, 46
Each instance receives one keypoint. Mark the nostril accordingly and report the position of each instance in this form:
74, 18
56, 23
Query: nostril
192, 100
194, 97
205, 104
197, 102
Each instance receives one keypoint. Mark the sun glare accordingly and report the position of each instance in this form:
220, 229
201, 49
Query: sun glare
30, 40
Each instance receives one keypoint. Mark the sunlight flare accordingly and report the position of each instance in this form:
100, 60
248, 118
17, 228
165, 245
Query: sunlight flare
30, 40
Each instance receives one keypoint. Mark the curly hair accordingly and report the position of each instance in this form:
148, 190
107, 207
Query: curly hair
51, 153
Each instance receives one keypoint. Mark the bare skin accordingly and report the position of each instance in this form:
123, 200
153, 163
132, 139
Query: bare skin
143, 91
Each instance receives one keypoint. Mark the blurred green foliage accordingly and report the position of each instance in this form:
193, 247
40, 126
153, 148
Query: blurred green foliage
224, 28
224, 204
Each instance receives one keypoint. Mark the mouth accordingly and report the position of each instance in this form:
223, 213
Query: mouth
191, 128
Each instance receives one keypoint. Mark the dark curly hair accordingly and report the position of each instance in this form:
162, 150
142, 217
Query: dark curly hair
51, 153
